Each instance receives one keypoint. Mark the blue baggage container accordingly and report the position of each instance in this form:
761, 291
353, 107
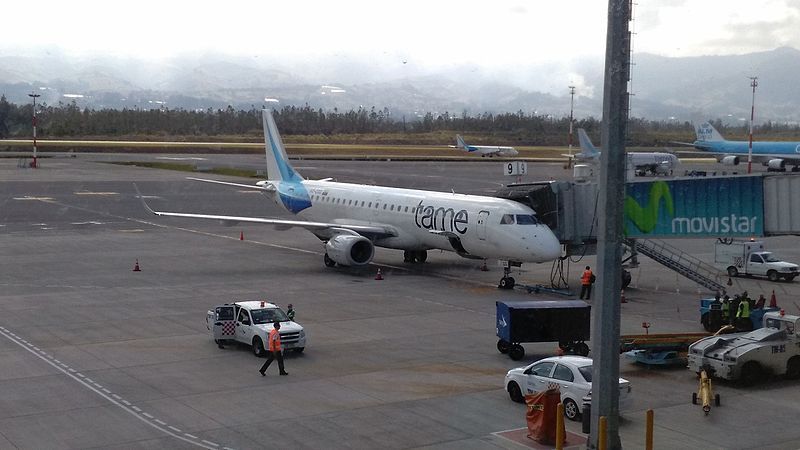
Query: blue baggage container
563, 321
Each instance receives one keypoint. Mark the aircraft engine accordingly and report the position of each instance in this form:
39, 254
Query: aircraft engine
350, 250
730, 160
776, 164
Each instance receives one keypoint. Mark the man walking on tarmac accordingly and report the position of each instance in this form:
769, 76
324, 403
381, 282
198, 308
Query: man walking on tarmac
275, 351
587, 279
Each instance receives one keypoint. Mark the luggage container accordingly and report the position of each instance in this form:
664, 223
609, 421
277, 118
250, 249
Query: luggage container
563, 321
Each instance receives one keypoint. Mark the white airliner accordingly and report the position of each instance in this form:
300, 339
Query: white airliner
484, 150
657, 163
351, 219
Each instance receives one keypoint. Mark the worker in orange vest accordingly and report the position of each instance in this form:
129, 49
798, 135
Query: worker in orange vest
587, 279
274, 350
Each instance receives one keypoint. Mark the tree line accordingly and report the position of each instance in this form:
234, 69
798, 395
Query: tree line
67, 120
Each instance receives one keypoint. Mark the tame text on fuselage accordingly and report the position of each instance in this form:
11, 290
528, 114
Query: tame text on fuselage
440, 218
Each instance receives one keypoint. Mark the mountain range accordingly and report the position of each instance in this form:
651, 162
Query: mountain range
663, 88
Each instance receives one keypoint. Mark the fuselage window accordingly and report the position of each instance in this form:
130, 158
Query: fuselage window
507, 219
350, 202
362, 203
384, 206
370, 205
392, 208
406, 210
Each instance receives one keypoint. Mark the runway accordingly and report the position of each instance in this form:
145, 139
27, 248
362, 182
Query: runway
95, 355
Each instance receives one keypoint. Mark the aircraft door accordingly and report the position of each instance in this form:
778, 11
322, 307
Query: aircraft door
483, 216
224, 323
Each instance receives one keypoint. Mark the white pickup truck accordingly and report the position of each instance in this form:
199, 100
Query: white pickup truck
250, 323
750, 357
750, 258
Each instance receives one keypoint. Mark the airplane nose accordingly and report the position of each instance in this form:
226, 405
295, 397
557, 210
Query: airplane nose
550, 247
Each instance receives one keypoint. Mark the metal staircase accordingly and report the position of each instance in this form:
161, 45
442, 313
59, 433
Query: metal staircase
685, 264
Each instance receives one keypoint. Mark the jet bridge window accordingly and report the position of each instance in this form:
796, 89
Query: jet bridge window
507, 219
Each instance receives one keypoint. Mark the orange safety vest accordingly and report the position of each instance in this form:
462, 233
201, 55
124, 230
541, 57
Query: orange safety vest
274, 340
586, 279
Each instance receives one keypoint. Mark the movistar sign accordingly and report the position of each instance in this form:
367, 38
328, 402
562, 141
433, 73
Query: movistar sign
701, 207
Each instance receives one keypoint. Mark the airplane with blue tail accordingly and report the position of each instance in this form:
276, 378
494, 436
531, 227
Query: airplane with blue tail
657, 163
774, 155
352, 219
484, 150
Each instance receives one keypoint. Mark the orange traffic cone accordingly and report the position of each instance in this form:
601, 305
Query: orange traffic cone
773, 302
241, 235
622, 297
379, 276
136, 266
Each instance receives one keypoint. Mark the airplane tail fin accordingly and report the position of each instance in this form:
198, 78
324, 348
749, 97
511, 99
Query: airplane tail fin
278, 167
587, 148
706, 132
460, 143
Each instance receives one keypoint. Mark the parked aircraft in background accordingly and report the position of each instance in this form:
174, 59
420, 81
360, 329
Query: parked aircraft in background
775, 155
657, 163
351, 219
484, 150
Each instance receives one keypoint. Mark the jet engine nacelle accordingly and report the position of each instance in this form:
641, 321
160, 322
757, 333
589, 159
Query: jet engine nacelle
776, 164
350, 250
730, 160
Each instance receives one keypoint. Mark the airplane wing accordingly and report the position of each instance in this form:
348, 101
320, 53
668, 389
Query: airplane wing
324, 229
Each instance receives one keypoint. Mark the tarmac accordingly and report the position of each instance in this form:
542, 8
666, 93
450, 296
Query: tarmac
95, 355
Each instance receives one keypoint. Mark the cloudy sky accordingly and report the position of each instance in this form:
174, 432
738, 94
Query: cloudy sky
412, 35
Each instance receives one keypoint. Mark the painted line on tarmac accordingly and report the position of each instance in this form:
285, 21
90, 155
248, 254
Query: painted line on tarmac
107, 394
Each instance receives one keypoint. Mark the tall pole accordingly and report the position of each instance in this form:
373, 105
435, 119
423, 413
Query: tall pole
34, 164
571, 103
753, 84
605, 326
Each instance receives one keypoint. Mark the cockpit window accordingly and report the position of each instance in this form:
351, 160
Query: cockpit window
507, 219
527, 219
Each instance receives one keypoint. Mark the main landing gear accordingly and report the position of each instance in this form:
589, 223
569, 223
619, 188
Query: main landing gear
507, 282
414, 256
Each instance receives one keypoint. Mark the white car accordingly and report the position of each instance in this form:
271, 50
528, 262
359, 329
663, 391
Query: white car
572, 374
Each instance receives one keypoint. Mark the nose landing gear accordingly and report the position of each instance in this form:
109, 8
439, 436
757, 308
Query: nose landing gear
507, 282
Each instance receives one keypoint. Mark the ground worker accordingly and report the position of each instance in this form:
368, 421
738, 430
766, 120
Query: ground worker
761, 302
743, 315
726, 307
587, 279
290, 312
274, 350
735, 302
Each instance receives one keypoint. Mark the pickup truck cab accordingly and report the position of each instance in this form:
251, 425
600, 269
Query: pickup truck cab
250, 322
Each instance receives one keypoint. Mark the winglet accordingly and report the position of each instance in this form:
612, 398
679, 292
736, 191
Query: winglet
141, 197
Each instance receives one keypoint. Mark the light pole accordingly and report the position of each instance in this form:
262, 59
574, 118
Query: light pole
753, 84
571, 103
33, 95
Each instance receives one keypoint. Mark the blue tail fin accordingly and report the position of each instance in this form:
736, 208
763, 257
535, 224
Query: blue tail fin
587, 148
461, 144
278, 167
705, 132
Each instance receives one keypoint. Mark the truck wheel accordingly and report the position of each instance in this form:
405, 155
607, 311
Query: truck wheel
793, 368
704, 319
751, 373
516, 352
582, 349
732, 272
515, 392
772, 275
789, 278
258, 347
503, 346
299, 349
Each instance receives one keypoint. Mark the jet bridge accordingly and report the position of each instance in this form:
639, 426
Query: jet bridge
742, 206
